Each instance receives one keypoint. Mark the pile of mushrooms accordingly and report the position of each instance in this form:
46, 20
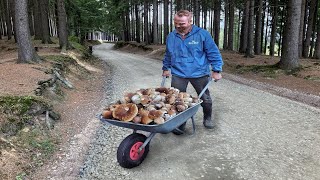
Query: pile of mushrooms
150, 106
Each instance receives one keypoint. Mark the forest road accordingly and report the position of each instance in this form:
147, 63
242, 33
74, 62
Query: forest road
259, 135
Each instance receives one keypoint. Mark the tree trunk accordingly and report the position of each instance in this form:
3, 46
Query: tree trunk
281, 27
12, 9
137, 23
249, 50
166, 19
205, 12
43, 4
244, 28
146, 23
302, 27
30, 12
197, 13
274, 27
37, 21
26, 53
257, 38
155, 22
290, 56
309, 28
231, 25
178, 5
225, 32
266, 34
2, 16
62, 23
217, 9
8, 19
314, 30
317, 48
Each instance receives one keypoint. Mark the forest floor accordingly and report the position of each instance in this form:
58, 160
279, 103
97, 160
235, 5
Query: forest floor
22, 154
85, 99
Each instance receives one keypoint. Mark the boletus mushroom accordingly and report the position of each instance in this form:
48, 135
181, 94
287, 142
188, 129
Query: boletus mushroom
125, 112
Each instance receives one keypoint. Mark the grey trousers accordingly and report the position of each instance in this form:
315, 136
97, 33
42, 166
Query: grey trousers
198, 84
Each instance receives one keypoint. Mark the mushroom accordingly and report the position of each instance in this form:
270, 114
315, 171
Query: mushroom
125, 112
170, 99
150, 107
107, 114
136, 99
147, 91
159, 105
181, 108
113, 107
154, 114
145, 99
128, 97
157, 98
145, 116
137, 119
172, 112
159, 120
162, 90
195, 100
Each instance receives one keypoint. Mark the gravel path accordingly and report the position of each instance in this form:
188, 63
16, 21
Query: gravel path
259, 135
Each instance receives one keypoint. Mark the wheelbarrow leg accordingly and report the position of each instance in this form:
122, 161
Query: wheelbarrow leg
147, 141
180, 130
193, 126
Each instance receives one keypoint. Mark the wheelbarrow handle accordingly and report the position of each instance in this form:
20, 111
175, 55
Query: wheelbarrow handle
201, 93
164, 80
205, 88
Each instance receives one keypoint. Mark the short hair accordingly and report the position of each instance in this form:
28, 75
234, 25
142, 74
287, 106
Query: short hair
186, 13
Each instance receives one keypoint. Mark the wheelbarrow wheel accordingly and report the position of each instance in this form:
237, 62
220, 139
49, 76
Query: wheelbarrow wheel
128, 154
180, 130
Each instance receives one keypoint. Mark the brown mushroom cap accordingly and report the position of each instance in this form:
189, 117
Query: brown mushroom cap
147, 91
145, 116
181, 108
170, 99
128, 96
154, 114
162, 90
159, 120
107, 114
125, 112
145, 100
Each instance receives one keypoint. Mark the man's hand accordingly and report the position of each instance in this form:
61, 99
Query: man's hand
166, 73
216, 76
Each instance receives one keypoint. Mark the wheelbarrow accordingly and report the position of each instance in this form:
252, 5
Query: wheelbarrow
135, 147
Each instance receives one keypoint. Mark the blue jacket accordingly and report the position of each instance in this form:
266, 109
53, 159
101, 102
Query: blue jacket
192, 57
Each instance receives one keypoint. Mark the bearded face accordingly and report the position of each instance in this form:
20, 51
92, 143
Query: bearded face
182, 24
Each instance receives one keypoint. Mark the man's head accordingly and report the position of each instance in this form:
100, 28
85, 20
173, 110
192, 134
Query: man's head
183, 21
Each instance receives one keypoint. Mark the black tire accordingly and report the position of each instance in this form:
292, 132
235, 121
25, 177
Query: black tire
127, 155
180, 130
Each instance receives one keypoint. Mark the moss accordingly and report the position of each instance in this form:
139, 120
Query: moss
84, 50
120, 44
312, 78
18, 112
293, 72
17, 105
270, 71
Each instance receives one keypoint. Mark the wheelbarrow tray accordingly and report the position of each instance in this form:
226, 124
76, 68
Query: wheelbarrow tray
164, 128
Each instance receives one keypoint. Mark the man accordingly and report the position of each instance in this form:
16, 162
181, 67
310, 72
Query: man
192, 56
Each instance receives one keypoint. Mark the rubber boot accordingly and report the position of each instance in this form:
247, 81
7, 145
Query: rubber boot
207, 113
